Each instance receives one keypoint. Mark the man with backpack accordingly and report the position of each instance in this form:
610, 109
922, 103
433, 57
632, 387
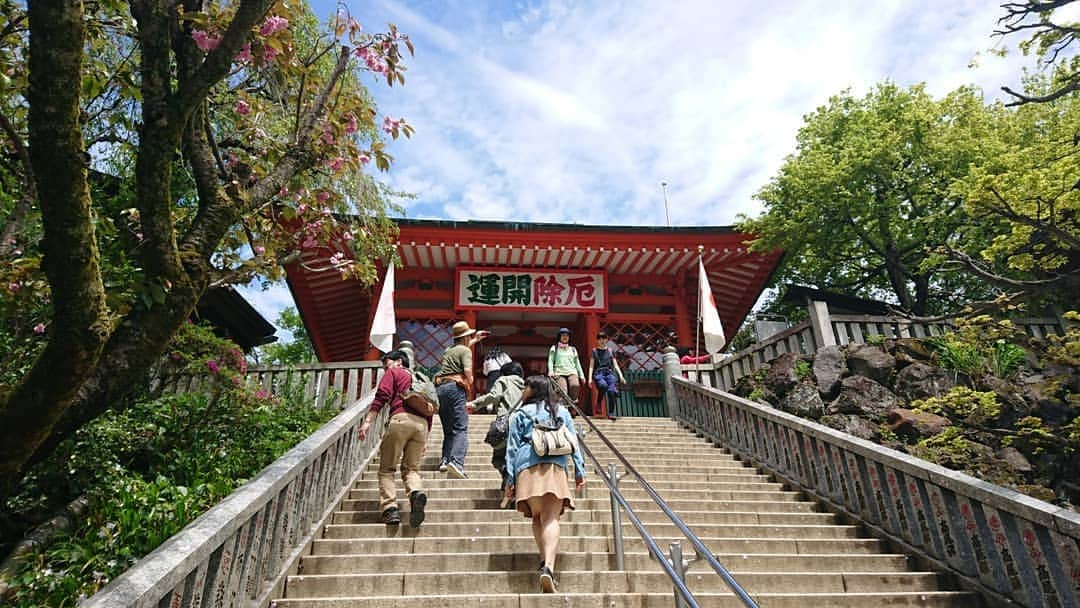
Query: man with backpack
403, 440
502, 399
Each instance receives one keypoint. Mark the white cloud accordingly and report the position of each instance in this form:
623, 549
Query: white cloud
575, 111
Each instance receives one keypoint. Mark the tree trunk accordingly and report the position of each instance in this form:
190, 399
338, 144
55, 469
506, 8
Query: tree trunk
79, 325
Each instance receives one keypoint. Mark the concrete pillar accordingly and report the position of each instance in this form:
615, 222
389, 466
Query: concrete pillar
671, 370
820, 323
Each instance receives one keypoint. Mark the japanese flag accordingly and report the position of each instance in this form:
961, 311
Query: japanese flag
384, 325
710, 317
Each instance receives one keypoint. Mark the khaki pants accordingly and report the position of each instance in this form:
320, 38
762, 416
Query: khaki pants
403, 441
571, 384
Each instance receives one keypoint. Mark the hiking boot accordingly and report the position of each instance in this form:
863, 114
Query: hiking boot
417, 502
454, 470
442, 466
547, 580
391, 516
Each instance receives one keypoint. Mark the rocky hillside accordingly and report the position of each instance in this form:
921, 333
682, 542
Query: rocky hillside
1003, 411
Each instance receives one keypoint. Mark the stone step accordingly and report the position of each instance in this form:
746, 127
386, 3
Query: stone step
647, 470
599, 515
626, 486
633, 542
595, 488
659, 599
522, 527
483, 457
490, 473
440, 582
368, 502
568, 560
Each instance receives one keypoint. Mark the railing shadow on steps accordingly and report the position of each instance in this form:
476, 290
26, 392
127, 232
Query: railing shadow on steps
238, 553
674, 566
1012, 549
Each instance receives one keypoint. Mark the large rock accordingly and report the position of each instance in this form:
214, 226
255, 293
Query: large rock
915, 425
919, 381
829, 369
781, 376
1015, 459
803, 400
852, 425
870, 361
862, 396
911, 349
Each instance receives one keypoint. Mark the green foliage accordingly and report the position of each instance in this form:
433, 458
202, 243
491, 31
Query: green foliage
148, 471
875, 340
981, 345
1005, 359
298, 350
803, 370
756, 395
1065, 350
868, 190
1033, 436
974, 407
948, 448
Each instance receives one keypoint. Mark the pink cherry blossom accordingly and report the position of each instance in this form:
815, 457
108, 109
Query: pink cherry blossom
283, 192
232, 160
309, 243
326, 212
336, 164
390, 125
269, 54
272, 25
39, 328
243, 108
347, 236
244, 55
327, 137
213, 366
259, 250
337, 258
323, 196
13, 287
350, 125
301, 208
363, 158
205, 41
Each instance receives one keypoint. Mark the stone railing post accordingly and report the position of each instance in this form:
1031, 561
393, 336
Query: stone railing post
819, 321
671, 370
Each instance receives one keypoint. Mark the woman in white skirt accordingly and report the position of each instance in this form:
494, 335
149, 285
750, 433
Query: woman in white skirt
540, 482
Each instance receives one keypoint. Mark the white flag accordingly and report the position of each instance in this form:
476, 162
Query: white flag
384, 325
710, 317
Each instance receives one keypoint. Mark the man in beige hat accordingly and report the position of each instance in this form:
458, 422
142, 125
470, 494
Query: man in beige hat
453, 385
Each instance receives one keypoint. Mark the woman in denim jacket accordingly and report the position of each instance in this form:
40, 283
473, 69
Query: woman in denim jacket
540, 482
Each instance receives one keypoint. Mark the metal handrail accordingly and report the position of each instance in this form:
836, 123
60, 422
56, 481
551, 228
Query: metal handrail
612, 482
702, 550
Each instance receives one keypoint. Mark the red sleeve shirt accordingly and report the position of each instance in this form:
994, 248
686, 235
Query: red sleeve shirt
395, 382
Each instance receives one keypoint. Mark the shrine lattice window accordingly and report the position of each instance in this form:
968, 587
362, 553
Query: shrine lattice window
640, 346
430, 337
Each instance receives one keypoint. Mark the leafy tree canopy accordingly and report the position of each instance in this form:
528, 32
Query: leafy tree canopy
868, 190
153, 148
297, 350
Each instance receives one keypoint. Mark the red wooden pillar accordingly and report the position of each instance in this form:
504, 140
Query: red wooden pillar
682, 313
592, 327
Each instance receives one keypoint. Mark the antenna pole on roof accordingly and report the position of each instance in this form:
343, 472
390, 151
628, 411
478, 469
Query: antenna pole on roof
667, 214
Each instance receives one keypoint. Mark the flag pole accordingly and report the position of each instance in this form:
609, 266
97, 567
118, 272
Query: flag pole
697, 325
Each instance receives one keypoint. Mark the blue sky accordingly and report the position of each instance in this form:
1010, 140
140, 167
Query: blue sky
567, 111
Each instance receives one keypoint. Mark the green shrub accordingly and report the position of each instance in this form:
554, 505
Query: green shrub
1005, 359
148, 471
875, 339
974, 407
948, 448
756, 395
803, 370
958, 355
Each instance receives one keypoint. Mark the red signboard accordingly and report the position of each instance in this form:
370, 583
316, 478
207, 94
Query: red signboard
531, 289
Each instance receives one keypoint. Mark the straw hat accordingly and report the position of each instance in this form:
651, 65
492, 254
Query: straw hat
462, 329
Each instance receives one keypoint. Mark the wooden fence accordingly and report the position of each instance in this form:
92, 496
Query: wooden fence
333, 385
824, 329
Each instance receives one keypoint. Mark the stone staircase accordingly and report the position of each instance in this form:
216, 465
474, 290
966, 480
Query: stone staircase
469, 553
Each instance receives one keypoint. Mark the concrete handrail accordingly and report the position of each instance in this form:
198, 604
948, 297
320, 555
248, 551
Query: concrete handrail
1011, 548
238, 553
